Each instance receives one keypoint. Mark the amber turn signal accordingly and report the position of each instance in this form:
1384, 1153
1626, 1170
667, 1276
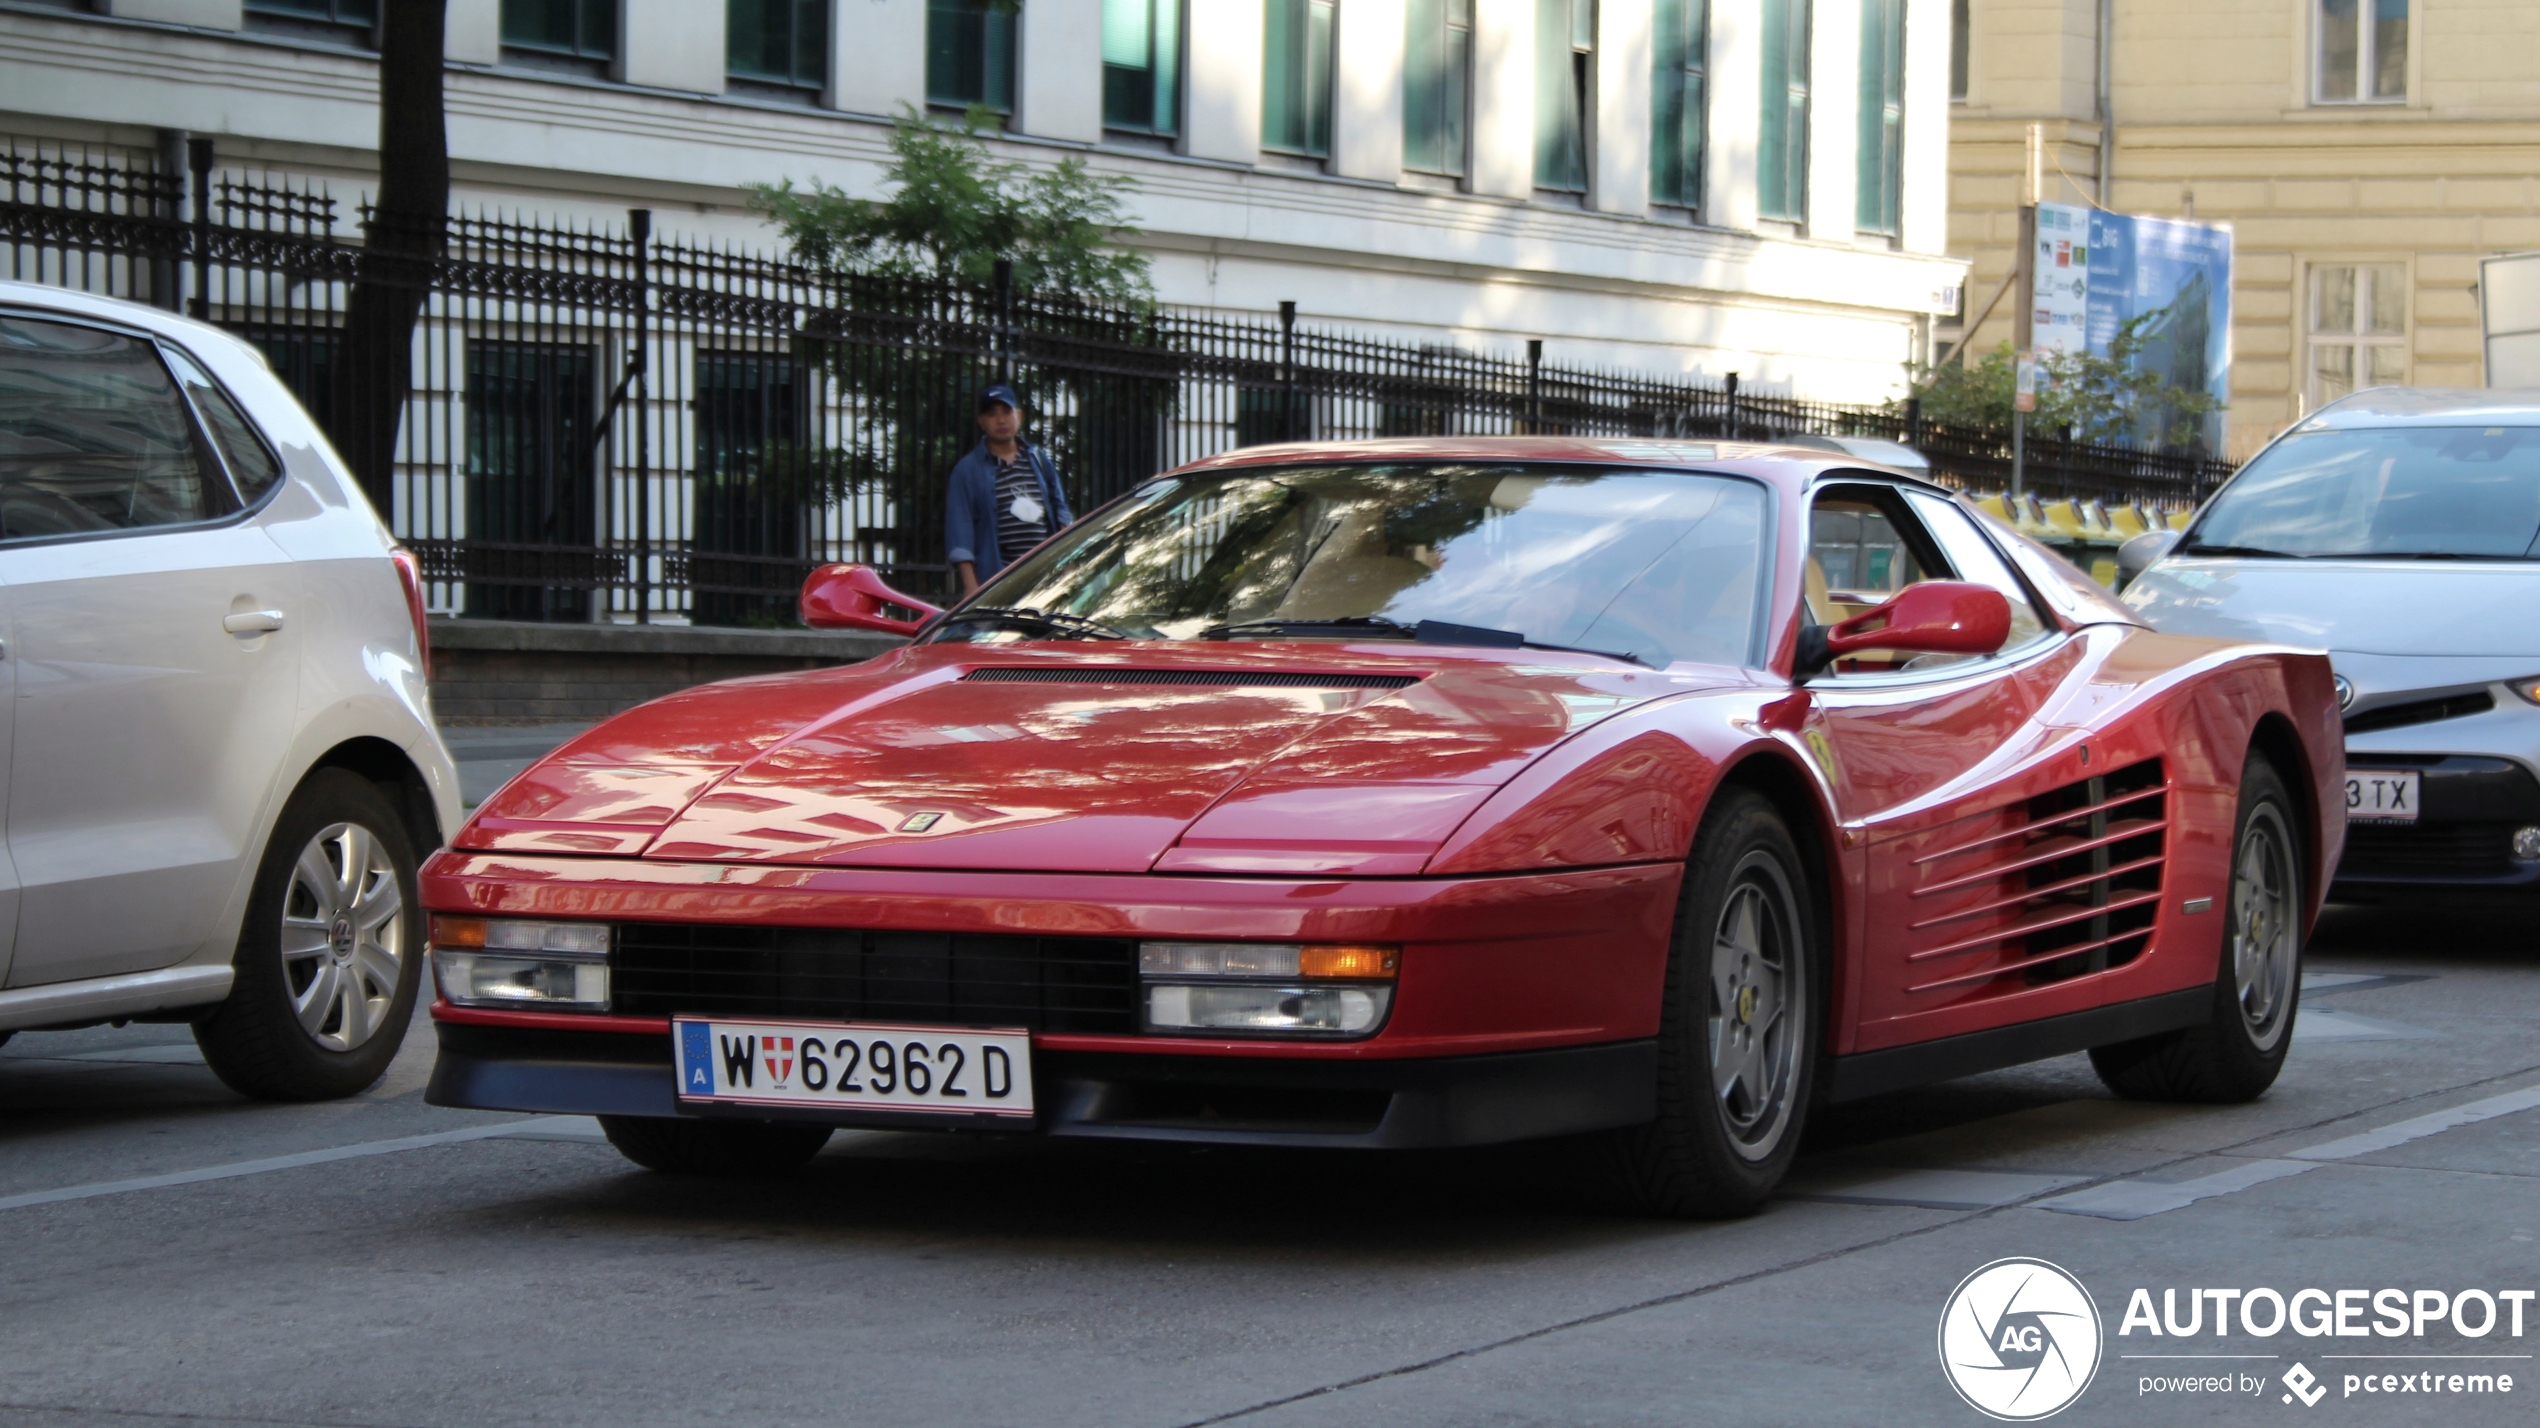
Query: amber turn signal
1349, 960
457, 931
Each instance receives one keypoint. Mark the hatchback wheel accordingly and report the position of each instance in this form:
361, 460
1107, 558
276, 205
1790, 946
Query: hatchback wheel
1738, 1035
2235, 1054
331, 952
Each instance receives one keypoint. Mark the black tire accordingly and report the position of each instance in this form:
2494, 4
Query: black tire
256, 1040
1710, 1155
728, 1149
2236, 1053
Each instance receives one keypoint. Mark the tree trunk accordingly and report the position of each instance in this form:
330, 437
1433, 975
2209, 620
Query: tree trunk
404, 235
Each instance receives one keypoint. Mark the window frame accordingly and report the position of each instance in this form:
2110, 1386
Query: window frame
1787, 109
1452, 77
1961, 49
2367, 56
1576, 84
1681, 64
287, 18
2358, 341
994, 70
1917, 535
1166, 56
790, 85
222, 485
579, 53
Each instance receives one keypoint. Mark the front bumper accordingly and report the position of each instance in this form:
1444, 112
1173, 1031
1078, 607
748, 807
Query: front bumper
1220, 1100
2463, 835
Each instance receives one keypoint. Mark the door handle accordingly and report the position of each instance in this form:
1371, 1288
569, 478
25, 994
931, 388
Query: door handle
252, 622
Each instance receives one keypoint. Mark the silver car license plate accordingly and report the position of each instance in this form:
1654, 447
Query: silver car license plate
853, 1066
2382, 795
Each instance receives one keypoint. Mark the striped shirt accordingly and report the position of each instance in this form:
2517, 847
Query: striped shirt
1023, 516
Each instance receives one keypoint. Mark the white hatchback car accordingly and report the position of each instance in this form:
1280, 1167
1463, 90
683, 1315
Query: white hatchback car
217, 755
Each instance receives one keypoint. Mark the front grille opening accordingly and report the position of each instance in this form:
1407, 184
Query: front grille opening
2423, 711
2477, 849
1084, 985
1296, 1111
1189, 678
2102, 870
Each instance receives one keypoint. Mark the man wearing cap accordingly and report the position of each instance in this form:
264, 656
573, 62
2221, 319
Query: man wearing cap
1005, 497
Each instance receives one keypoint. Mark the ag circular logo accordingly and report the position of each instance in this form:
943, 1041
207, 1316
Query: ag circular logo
2019, 1339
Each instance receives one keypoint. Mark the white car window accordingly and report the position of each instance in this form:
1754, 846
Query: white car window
252, 465
94, 437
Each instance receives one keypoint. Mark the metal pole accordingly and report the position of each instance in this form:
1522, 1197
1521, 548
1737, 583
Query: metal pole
1287, 370
1913, 421
198, 157
166, 284
2019, 452
1729, 421
639, 228
1005, 321
1534, 386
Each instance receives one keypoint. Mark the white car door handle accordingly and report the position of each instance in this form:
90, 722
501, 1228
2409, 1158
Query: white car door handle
252, 622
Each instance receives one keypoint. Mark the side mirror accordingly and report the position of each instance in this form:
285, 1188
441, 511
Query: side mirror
853, 597
1934, 617
2136, 556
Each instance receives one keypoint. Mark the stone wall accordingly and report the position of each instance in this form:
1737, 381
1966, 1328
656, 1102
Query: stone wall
502, 671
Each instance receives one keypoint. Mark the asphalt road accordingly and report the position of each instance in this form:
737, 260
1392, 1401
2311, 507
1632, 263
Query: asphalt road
522, 1273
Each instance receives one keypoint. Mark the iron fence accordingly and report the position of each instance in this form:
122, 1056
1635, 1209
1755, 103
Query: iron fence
603, 423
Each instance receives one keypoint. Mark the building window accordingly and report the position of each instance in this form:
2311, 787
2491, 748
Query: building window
757, 482
1958, 50
1296, 77
1142, 66
1881, 152
582, 32
970, 53
1679, 101
1781, 179
2363, 51
777, 46
530, 411
1437, 78
1565, 50
355, 21
2359, 327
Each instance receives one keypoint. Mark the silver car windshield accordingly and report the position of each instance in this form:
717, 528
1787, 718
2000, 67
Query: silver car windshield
1657, 566
2434, 493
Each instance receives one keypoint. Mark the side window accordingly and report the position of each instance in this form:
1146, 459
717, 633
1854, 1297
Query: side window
1864, 545
252, 465
93, 436
1976, 560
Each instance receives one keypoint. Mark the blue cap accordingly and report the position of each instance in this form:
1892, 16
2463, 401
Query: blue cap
1000, 395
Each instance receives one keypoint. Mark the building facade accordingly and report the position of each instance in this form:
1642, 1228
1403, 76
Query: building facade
2367, 154
1709, 186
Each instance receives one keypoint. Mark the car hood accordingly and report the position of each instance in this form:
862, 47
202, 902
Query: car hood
2387, 607
1244, 758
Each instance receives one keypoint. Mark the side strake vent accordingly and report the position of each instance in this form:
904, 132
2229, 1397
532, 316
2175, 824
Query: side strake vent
1187, 678
2068, 889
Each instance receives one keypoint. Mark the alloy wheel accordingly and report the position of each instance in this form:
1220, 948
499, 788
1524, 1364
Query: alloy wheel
2265, 942
1757, 995
343, 936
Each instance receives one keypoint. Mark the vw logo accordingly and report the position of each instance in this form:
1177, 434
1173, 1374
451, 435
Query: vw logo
339, 938
2019, 1340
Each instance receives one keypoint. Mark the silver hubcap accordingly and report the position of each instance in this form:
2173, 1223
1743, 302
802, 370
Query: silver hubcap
1757, 989
2265, 945
343, 936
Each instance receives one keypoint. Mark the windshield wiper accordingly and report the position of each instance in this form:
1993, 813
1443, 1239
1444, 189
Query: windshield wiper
1056, 621
1430, 632
2256, 551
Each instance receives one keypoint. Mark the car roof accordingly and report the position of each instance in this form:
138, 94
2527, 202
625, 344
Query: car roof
2427, 406
158, 321
1791, 467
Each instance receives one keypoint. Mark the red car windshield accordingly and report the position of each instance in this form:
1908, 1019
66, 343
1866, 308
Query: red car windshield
1659, 566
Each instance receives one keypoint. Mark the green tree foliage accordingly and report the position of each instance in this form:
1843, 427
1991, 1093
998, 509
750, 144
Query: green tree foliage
2103, 399
955, 209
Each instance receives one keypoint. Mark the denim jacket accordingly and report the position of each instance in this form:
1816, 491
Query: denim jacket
970, 508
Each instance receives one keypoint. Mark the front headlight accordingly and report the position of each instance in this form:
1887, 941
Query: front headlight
1329, 990
507, 962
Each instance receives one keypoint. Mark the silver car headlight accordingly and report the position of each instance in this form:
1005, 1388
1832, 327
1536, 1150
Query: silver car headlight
1333, 991
510, 962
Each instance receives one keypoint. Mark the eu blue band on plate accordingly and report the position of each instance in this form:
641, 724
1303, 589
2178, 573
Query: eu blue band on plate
696, 1057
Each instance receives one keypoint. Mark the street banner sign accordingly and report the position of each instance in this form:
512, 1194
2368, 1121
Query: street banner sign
2091, 271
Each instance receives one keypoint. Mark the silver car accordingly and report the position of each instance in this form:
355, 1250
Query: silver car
2399, 529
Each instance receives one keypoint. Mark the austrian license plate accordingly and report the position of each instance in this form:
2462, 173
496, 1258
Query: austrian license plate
854, 1066
2382, 795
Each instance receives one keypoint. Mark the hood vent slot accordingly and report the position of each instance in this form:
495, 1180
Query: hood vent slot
1186, 678
2423, 711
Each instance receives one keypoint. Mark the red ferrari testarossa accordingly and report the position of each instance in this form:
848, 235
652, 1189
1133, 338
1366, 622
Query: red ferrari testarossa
1415, 793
